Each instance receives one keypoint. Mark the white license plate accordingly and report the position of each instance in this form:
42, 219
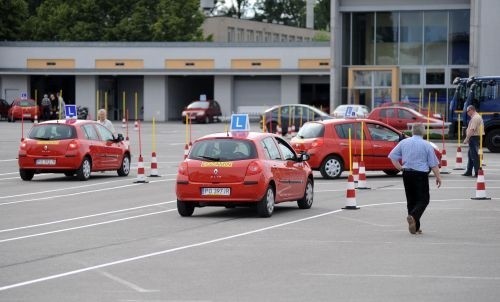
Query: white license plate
46, 162
26, 115
216, 191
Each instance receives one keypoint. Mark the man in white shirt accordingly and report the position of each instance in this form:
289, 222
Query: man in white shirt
102, 118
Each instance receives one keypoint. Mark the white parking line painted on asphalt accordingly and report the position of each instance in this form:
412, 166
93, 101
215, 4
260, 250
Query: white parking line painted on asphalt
79, 193
15, 159
85, 217
85, 226
404, 276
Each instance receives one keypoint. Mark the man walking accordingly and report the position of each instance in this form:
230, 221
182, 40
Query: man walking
472, 137
417, 157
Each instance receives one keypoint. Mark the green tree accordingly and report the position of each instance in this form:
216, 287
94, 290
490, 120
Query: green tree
13, 14
322, 15
288, 12
178, 21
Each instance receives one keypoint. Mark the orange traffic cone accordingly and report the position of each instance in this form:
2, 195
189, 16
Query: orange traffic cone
141, 178
350, 195
444, 163
362, 177
154, 166
480, 187
458, 161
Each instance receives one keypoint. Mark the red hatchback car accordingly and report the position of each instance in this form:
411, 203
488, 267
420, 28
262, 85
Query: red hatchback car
413, 106
23, 109
72, 147
400, 117
202, 112
327, 143
243, 169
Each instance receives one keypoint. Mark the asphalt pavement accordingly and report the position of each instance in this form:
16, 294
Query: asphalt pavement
111, 239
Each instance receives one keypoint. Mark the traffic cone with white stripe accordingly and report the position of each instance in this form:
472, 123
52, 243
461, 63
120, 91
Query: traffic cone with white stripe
141, 178
480, 187
124, 123
136, 125
350, 195
444, 163
355, 170
289, 131
458, 161
154, 166
362, 177
186, 150
294, 132
36, 119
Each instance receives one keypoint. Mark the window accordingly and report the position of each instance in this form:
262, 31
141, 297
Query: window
104, 133
270, 148
343, 130
459, 37
411, 38
410, 77
435, 37
287, 152
389, 112
90, 132
52, 132
434, 77
381, 133
223, 150
403, 114
386, 38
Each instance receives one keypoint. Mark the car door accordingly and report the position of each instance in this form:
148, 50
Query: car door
342, 131
382, 141
294, 170
96, 149
278, 168
404, 117
112, 151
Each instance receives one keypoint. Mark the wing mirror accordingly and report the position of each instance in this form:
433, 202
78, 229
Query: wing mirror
119, 137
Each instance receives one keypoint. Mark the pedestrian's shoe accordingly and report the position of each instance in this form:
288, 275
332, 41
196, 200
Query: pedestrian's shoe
467, 174
419, 232
412, 226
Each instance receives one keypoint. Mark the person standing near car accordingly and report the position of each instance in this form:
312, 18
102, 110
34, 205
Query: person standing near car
61, 105
46, 107
103, 120
473, 133
417, 156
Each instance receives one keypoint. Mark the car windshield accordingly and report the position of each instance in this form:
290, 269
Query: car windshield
198, 105
223, 150
311, 130
26, 103
52, 132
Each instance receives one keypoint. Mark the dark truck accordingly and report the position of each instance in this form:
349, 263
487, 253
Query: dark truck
484, 93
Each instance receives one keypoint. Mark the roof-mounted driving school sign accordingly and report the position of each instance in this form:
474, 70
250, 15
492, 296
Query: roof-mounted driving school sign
70, 111
240, 122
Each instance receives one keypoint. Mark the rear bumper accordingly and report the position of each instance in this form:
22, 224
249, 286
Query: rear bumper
63, 163
244, 192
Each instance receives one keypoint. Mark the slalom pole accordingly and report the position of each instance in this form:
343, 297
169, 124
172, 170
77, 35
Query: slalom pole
127, 123
106, 101
350, 153
97, 102
428, 117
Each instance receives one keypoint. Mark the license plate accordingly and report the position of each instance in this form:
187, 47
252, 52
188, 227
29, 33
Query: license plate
46, 162
216, 191
26, 115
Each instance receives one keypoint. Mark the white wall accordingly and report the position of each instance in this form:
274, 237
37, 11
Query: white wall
487, 41
13, 85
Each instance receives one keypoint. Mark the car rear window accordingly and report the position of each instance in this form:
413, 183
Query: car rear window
52, 132
223, 150
200, 104
311, 130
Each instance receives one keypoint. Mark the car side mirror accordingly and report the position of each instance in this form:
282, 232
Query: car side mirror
303, 156
119, 137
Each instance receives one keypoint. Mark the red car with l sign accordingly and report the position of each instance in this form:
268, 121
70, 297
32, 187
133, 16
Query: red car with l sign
243, 169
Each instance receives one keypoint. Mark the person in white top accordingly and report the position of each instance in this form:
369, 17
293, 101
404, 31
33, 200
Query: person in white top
102, 118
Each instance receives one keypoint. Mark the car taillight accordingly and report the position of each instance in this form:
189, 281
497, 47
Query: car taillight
254, 168
22, 146
317, 143
73, 145
183, 168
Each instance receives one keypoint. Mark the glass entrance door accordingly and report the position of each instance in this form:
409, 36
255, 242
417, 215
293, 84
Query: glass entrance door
373, 86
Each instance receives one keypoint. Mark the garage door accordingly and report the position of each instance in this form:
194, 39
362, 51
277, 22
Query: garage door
253, 94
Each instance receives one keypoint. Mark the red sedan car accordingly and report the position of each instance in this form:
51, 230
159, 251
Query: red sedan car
413, 106
23, 109
243, 169
202, 112
327, 143
401, 117
72, 147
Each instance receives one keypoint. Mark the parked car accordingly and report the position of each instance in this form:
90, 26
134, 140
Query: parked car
23, 109
351, 110
327, 143
413, 106
72, 147
290, 114
243, 169
401, 118
202, 112
4, 108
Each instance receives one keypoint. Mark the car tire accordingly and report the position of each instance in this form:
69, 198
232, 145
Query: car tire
10, 119
307, 200
492, 141
83, 173
69, 174
391, 172
26, 175
265, 207
125, 167
331, 167
185, 209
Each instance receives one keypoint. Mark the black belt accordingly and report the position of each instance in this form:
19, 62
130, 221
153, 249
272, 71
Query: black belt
411, 170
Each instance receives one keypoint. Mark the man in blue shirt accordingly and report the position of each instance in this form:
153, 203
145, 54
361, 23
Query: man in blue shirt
416, 156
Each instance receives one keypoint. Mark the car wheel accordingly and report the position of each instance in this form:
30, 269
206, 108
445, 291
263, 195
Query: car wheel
83, 173
69, 174
125, 167
26, 174
391, 172
331, 167
492, 140
185, 209
11, 119
265, 207
207, 119
307, 200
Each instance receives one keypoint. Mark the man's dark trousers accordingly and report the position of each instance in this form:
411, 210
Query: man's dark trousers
417, 193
